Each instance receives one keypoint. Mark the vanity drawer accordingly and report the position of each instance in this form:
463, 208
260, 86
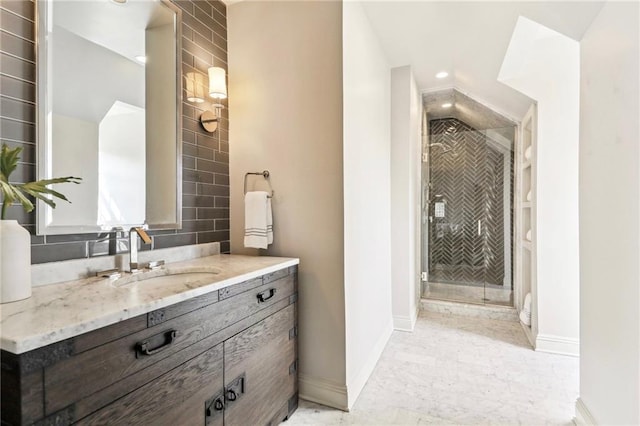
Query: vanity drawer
175, 398
118, 330
102, 366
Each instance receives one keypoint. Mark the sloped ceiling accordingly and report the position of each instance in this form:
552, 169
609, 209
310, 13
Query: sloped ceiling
466, 110
469, 40
117, 27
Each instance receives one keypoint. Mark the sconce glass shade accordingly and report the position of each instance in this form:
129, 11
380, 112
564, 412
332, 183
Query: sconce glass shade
217, 83
195, 86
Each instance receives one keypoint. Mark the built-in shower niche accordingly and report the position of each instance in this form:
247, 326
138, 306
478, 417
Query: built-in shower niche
469, 208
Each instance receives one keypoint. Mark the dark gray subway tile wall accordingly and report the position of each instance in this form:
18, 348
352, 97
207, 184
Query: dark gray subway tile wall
205, 159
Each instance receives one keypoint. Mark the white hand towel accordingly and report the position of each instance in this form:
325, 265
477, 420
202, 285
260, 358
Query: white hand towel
258, 228
269, 222
527, 153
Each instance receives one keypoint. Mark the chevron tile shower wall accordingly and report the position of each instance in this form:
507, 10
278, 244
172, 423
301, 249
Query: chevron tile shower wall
470, 176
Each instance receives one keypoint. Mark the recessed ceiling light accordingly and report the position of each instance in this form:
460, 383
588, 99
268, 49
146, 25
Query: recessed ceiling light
142, 59
442, 74
119, 1
447, 105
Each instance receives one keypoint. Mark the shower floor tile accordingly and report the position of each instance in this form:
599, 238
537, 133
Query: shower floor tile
459, 370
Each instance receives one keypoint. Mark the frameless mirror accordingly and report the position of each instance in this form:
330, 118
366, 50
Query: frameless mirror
109, 111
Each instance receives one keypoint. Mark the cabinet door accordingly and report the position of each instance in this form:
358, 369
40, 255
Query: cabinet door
258, 370
179, 397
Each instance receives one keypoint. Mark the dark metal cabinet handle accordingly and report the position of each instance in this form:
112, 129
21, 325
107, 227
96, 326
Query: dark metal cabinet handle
235, 389
266, 295
217, 405
231, 395
143, 347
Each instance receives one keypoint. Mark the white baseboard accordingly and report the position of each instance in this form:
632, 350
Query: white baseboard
557, 345
355, 385
529, 333
583, 416
405, 323
322, 391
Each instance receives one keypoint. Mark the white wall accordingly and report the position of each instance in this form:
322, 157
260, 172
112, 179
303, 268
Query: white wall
285, 106
121, 166
90, 78
367, 209
609, 216
78, 140
161, 151
297, 72
406, 114
79, 105
545, 65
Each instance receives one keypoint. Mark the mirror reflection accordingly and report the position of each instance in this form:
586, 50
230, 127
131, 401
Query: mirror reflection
109, 113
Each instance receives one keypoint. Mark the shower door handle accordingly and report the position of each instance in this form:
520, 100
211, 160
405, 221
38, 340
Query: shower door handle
480, 227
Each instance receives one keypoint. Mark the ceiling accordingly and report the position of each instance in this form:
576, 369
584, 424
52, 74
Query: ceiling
468, 111
117, 27
469, 40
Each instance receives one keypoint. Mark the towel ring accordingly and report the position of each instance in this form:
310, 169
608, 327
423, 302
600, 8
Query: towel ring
265, 174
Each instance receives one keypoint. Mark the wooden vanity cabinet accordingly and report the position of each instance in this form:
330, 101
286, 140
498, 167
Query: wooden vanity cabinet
260, 366
225, 358
175, 398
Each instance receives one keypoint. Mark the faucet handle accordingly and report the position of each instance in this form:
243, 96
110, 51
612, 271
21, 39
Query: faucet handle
156, 264
118, 232
109, 273
143, 234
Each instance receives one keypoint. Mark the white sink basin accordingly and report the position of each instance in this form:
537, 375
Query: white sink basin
188, 275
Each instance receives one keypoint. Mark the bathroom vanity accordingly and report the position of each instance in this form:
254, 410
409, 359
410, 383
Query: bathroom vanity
217, 346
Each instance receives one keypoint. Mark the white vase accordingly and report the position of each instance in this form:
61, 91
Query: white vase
15, 262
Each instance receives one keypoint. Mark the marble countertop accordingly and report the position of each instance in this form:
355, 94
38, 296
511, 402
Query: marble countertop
57, 312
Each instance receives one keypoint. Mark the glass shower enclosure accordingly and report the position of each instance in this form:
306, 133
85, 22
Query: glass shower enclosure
467, 213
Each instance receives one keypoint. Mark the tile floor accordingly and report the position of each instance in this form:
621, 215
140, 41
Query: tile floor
459, 370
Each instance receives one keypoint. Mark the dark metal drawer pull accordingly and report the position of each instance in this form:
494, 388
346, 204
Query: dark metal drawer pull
266, 295
217, 405
143, 347
213, 406
231, 395
234, 390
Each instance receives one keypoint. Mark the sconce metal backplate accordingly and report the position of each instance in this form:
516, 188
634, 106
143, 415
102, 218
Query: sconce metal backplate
209, 121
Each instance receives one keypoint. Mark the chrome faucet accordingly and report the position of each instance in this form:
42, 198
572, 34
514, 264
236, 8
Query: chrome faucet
115, 233
133, 246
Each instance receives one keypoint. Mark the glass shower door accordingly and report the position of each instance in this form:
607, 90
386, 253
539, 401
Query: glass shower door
468, 211
457, 167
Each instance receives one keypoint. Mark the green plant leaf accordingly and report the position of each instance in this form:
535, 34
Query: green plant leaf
10, 195
37, 187
67, 179
12, 192
9, 160
39, 196
26, 204
8, 192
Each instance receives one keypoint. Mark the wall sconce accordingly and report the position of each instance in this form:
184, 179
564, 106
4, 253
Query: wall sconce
217, 90
195, 85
